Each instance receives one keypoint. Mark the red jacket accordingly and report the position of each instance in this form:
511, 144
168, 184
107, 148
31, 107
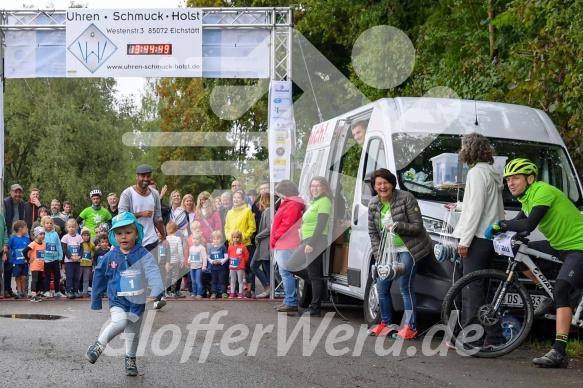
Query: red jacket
243, 257
286, 224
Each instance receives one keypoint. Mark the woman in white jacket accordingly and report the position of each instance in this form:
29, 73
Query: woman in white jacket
482, 206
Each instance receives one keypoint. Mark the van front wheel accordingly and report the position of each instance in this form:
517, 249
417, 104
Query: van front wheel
372, 312
304, 293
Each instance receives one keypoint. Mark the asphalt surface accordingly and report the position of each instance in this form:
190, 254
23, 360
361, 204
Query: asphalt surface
40, 353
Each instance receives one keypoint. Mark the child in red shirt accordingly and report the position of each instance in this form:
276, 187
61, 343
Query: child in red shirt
238, 257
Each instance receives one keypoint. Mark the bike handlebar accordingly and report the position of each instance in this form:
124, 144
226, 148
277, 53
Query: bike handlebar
522, 236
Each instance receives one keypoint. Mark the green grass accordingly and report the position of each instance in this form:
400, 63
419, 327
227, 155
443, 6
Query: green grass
574, 347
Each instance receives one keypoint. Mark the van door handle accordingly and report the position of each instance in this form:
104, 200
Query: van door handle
355, 216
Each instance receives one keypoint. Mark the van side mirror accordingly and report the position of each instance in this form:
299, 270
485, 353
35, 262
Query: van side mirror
367, 182
367, 191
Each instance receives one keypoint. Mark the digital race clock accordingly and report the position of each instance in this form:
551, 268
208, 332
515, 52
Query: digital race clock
149, 49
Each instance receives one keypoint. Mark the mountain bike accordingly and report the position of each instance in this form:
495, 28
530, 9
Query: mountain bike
500, 313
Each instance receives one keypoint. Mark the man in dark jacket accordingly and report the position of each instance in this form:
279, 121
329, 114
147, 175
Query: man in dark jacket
14, 210
31, 208
13, 206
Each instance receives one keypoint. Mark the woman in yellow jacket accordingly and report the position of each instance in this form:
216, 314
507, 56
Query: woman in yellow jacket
241, 218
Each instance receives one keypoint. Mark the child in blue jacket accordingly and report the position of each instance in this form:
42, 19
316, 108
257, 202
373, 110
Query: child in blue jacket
124, 272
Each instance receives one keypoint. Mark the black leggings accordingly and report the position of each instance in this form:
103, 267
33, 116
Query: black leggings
309, 267
56, 269
480, 254
36, 284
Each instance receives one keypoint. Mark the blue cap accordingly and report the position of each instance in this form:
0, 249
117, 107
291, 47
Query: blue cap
124, 219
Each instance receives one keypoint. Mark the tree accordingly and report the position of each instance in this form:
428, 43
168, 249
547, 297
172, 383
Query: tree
63, 136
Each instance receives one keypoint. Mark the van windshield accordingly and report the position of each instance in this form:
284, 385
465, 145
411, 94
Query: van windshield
427, 166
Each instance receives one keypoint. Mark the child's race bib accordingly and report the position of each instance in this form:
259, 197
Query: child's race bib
194, 257
216, 256
40, 254
51, 247
234, 261
131, 283
162, 251
18, 254
74, 249
86, 256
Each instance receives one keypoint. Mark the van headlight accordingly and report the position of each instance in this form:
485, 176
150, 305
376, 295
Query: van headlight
432, 225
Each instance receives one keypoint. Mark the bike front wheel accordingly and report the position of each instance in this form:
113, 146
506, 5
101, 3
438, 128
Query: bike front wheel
486, 315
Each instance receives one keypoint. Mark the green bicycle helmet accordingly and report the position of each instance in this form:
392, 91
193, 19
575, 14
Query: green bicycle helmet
520, 166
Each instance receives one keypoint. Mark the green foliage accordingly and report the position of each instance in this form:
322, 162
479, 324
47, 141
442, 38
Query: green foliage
63, 136
537, 48
186, 107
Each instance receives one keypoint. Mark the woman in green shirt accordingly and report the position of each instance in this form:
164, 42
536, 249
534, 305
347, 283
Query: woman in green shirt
306, 262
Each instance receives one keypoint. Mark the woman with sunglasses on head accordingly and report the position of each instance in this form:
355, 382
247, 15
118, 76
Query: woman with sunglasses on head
207, 215
306, 262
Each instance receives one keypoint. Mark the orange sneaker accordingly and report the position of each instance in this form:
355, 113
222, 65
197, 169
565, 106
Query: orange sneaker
377, 330
406, 333
381, 330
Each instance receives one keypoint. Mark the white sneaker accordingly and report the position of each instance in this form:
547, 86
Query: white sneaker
47, 295
59, 295
159, 304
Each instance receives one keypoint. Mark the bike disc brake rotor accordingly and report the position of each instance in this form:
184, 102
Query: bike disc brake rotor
487, 316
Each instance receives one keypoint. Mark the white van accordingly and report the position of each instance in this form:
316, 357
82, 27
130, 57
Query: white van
417, 139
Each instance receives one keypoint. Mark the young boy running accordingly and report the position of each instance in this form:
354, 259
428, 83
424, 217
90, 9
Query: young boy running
124, 273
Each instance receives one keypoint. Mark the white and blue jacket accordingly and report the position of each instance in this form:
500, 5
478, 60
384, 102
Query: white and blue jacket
108, 273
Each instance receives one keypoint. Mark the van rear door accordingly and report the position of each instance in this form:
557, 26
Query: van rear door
317, 160
373, 158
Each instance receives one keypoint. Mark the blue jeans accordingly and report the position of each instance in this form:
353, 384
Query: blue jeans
262, 274
196, 279
248, 271
290, 296
406, 282
73, 272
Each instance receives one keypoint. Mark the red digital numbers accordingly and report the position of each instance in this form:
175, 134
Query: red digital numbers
149, 49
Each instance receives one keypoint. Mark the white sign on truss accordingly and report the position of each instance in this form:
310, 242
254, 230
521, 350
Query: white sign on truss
281, 130
130, 42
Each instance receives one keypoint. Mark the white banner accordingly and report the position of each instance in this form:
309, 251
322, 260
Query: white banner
226, 53
134, 42
281, 130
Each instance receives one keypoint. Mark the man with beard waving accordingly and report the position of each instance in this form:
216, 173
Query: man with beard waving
144, 202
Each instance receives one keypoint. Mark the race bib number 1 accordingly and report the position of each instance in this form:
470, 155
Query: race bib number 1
503, 244
130, 283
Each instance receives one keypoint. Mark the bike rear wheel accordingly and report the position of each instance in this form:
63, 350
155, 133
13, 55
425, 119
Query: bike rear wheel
479, 329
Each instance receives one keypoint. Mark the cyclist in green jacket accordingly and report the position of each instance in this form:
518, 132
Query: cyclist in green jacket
549, 209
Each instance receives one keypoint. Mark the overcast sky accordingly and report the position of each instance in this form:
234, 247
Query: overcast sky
126, 85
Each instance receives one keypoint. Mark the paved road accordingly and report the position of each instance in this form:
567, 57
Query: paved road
254, 347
